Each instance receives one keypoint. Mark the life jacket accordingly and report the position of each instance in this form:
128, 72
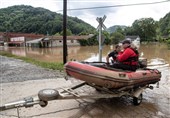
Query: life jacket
134, 59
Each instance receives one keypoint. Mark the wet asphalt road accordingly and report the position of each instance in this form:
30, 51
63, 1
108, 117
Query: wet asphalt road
155, 104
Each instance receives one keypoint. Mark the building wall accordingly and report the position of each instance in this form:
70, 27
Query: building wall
56, 43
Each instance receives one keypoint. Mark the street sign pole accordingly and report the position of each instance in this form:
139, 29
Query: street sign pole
100, 40
99, 28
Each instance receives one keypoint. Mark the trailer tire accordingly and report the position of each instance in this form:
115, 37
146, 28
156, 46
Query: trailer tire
48, 94
137, 101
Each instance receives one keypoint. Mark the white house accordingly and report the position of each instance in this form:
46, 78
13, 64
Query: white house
134, 39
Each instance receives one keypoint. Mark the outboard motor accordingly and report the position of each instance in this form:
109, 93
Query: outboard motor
142, 62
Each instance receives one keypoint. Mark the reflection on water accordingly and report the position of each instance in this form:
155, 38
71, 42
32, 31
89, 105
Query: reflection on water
90, 53
152, 51
157, 63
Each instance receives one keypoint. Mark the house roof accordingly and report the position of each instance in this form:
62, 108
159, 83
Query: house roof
26, 35
131, 37
34, 41
33, 38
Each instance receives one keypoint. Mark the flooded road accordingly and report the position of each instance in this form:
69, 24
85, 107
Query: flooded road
155, 104
149, 51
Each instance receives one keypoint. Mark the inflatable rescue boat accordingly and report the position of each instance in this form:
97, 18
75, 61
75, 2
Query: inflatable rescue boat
99, 74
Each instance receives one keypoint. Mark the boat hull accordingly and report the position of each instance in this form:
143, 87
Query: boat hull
109, 78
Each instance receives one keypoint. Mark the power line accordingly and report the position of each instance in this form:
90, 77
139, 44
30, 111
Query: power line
124, 5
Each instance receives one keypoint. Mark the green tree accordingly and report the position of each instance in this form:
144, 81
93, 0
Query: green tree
57, 34
164, 25
129, 31
145, 28
68, 32
120, 30
107, 40
116, 37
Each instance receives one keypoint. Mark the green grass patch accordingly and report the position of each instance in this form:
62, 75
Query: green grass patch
49, 65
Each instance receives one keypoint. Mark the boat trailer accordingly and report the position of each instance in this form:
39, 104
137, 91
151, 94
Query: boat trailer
46, 95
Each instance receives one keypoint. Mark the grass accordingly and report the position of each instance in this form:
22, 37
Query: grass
49, 65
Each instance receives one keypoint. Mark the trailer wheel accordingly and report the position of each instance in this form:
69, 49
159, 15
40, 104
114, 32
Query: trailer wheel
137, 101
48, 94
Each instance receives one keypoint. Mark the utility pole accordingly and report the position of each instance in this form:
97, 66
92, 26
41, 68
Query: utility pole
99, 28
64, 31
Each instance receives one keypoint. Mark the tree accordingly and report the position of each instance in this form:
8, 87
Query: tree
57, 34
120, 30
129, 31
27, 19
107, 40
145, 28
116, 37
68, 32
164, 25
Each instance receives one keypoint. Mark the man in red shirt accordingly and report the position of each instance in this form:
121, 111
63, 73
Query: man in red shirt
128, 59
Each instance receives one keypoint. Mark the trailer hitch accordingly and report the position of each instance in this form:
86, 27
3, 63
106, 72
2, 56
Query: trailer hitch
26, 102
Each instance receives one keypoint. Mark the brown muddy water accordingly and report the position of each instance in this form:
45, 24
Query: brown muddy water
89, 53
156, 102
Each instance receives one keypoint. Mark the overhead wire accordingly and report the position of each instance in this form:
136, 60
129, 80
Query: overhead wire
123, 5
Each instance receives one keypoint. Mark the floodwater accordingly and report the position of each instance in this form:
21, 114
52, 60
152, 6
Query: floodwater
156, 102
88, 53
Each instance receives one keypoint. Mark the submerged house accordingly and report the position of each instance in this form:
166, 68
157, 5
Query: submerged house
33, 43
39, 43
133, 38
17, 39
71, 40
38, 40
56, 41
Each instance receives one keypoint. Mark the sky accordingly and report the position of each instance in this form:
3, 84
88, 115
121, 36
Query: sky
114, 15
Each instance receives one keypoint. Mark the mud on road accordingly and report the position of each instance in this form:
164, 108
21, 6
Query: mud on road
20, 79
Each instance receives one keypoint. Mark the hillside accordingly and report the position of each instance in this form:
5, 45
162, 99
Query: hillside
27, 19
115, 27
